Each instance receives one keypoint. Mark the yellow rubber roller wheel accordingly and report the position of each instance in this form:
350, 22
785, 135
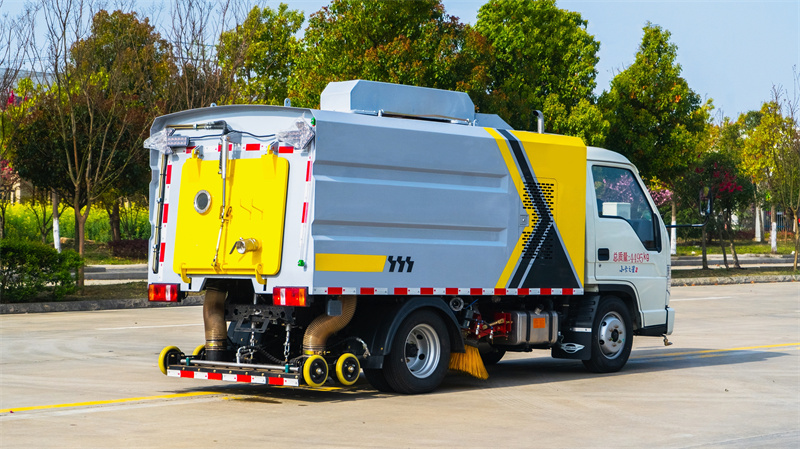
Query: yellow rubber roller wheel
315, 371
199, 351
347, 369
166, 354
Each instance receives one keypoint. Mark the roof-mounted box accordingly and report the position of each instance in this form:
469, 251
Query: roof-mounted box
372, 97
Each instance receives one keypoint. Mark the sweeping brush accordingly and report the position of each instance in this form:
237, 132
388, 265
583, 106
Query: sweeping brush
469, 362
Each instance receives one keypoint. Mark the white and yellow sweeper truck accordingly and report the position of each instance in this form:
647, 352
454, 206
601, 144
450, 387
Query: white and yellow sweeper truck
396, 231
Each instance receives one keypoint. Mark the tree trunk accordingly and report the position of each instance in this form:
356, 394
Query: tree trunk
759, 226
721, 230
796, 248
56, 230
673, 232
80, 236
773, 235
729, 232
114, 222
703, 246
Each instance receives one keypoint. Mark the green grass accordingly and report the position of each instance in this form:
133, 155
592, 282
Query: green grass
111, 291
723, 272
742, 247
130, 290
98, 253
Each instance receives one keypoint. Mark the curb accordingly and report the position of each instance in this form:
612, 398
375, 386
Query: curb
139, 303
100, 304
688, 282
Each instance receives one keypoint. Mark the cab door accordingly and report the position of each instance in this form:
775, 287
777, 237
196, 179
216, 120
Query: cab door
629, 239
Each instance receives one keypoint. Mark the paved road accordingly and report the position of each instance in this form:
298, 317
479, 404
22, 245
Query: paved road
731, 379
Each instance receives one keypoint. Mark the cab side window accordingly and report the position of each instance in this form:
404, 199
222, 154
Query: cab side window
620, 196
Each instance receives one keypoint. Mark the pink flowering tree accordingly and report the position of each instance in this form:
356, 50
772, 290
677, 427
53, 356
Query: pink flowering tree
8, 184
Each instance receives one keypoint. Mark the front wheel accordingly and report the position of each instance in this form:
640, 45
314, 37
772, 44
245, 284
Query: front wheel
612, 337
419, 355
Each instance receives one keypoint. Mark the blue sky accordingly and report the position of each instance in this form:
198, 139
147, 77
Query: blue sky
731, 51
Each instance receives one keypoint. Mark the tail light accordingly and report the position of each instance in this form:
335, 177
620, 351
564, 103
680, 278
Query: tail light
163, 292
290, 296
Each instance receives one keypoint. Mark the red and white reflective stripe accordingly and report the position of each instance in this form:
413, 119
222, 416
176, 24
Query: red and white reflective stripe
263, 380
441, 291
164, 220
306, 206
305, 212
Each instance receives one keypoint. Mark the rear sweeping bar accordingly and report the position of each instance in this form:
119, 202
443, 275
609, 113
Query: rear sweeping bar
292, 369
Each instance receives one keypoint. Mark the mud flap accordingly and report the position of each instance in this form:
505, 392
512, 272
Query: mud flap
576, 342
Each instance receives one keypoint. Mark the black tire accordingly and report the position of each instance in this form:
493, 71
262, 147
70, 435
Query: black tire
419, 354
612, 337
378, 381
490, 354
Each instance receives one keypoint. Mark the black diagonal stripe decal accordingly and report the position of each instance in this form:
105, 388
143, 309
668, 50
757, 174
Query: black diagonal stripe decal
544, 261
545, 219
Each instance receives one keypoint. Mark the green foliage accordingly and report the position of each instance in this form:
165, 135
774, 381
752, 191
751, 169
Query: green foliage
544, 59
408, 42
655, 119
259, 55
772, 154
30, 268
82, 134
21, 224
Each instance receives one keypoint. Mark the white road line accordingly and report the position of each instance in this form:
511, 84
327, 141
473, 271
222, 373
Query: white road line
145, 327
700, 299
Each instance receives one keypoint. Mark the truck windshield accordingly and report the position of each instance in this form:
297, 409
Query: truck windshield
619, 195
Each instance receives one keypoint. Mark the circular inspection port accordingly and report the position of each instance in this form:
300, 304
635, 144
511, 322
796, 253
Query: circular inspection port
202, 201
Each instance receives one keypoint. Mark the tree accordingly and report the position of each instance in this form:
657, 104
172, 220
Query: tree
655, 119
16, 34
197, 80
545, 59
9, 179
774, 149
738, 138
259, 55
86, 124
721, 174
409, 42
141, 79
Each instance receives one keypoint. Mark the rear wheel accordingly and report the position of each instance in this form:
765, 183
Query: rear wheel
612, 337
419, 354
347, 369
315, 371
200, 352
169, 356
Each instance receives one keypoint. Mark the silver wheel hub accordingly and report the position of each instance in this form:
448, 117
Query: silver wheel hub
612, 335
422, 351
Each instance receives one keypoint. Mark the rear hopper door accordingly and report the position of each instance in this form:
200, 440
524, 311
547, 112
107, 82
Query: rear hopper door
252, 211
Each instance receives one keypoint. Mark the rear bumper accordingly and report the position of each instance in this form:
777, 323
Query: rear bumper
252, 376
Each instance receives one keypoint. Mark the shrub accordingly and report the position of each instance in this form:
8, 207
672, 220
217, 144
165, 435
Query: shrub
129, 249
30, 268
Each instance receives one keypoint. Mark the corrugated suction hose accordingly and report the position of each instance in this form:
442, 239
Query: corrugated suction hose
214, 321
324, 326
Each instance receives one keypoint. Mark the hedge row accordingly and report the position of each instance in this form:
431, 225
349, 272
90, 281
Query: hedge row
29, 269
